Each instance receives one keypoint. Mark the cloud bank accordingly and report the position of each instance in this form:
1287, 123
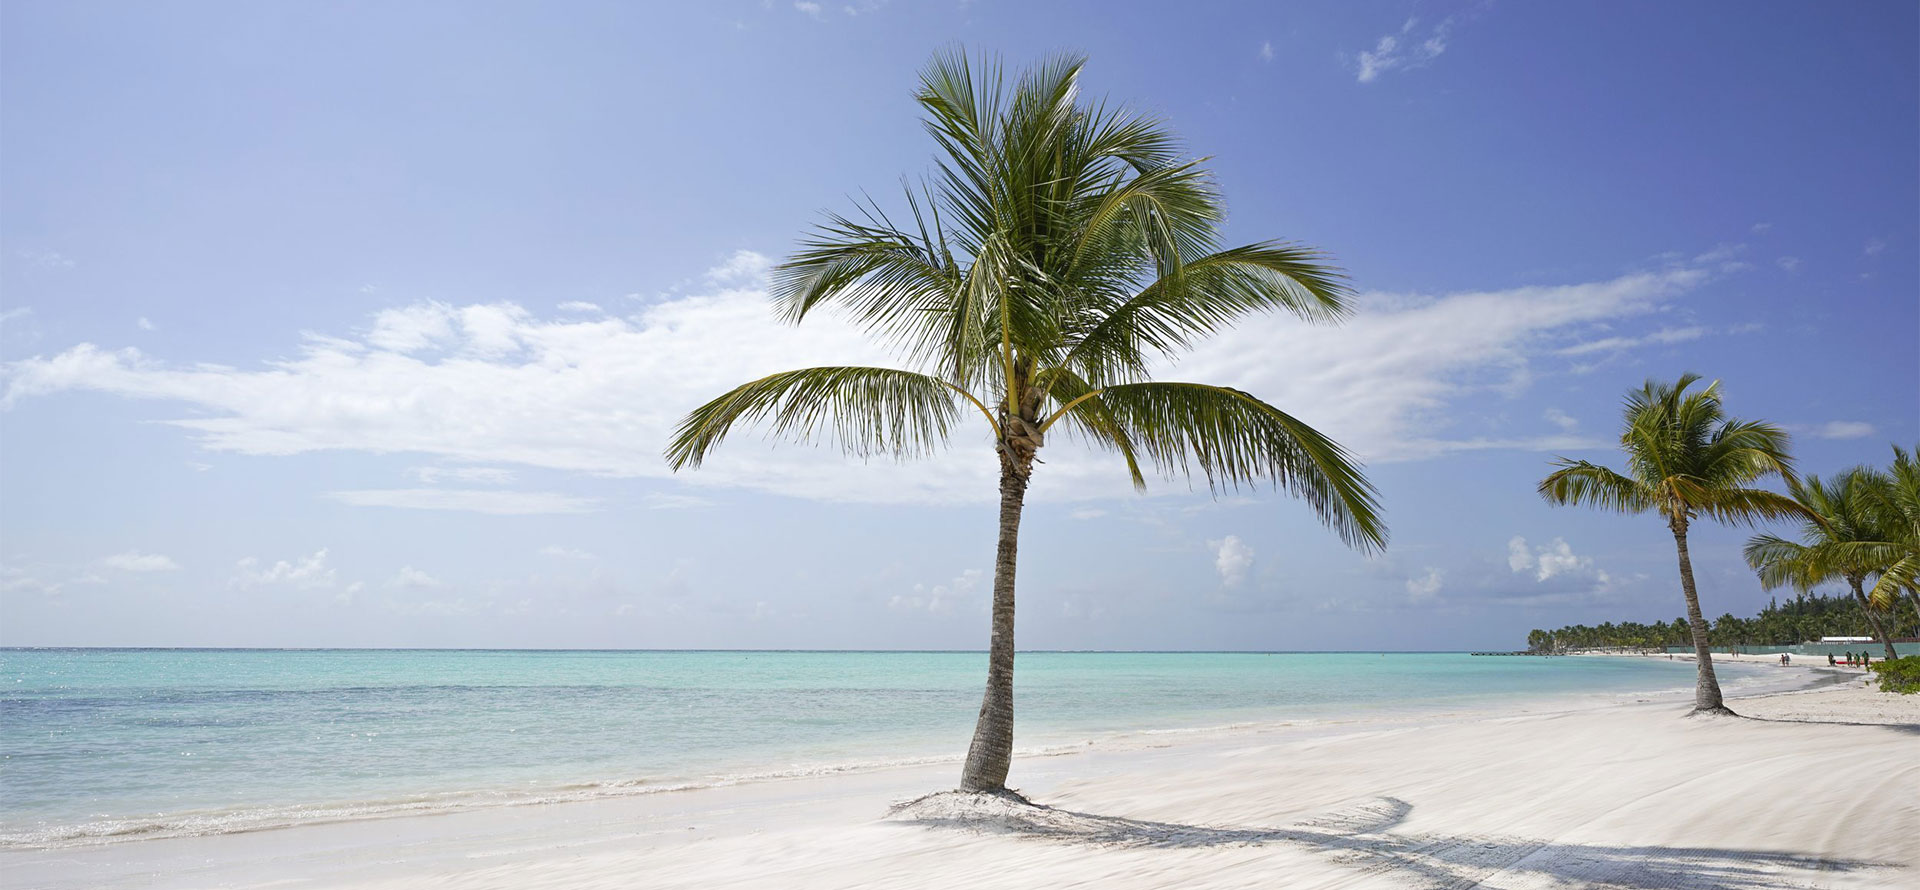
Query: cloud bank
486, 387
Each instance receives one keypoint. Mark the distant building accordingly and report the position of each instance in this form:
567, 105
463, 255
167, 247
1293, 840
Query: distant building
1846, 639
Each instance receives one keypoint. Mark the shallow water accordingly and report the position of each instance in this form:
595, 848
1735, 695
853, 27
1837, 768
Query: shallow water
100, 744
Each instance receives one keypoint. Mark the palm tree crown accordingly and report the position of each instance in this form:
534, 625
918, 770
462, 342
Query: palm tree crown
1838, 513
1685, 458
1895, 501
1845, 536
1058, 252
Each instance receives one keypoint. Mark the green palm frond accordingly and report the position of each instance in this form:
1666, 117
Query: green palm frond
1844, 535
868, 411
1091, 418
1745, 506
1579, 482
1167, 316
1236, 439
1903, 575
1783, 563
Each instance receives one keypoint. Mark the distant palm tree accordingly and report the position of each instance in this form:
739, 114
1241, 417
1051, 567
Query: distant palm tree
1897, 498
1062, 249
1685, 459
1839, 514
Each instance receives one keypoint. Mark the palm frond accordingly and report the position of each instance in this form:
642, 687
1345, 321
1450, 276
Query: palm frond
1901, 575
1086, 414
1168, 315
868, 411
1745, 506
1580, 482
1235, 439
1783, 563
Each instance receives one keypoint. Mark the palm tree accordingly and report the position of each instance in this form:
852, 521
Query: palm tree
1896, 498
1838, 514
1060, 251
1685, 459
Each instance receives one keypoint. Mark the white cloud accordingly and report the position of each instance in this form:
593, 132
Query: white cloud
1088, 513
808, 7
305, 572
743, 268
578, 306
481, 475
1266, 50
1874, 246
1788, 263
45, 259
346, 596
18, 579
410, 578
1382, 382
555, 550
1761, 228
494, 386
1844, 429
144, 324
1404, 49
135, 561
1545, 562
1233, 558
1561, 419
940, 599
1426, 587
502, 503
1615, 344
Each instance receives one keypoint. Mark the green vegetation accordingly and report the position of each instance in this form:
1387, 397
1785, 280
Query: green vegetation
1900, 675
1779, 624
1685, 460
1060, 251
1845, 537
1898, 498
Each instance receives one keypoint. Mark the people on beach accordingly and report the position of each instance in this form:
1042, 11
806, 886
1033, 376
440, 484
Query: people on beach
1830, 659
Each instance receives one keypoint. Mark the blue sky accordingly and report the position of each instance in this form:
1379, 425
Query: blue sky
363, 324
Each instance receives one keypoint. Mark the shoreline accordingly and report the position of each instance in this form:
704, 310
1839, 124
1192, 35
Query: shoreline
1273, 777
204, 822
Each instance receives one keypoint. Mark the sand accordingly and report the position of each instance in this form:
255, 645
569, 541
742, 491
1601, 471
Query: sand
1813, 788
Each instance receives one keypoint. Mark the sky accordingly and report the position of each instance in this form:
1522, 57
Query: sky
364, 324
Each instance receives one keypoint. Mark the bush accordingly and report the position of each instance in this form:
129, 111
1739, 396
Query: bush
1900, 675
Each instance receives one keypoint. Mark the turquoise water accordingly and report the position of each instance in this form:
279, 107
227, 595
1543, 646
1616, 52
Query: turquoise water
116, 744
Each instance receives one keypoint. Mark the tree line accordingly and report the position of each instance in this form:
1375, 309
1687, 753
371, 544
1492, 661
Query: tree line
1801, 619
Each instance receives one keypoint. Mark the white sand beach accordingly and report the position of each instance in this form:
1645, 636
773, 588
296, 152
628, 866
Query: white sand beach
1815, 789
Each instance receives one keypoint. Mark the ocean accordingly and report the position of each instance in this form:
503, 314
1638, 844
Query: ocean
101, 745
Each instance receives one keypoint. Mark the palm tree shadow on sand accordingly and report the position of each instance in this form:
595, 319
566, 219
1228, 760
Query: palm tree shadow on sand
1362, 837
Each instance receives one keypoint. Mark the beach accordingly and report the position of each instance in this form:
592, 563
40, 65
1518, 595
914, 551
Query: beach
1814, 788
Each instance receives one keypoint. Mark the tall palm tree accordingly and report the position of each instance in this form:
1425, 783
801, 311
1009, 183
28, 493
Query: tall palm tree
1838, 514
1060, 251
1685, 459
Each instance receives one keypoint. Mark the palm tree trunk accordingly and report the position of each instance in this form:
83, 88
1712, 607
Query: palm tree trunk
991, 753
1873, 620
1915, 596
1706, 687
